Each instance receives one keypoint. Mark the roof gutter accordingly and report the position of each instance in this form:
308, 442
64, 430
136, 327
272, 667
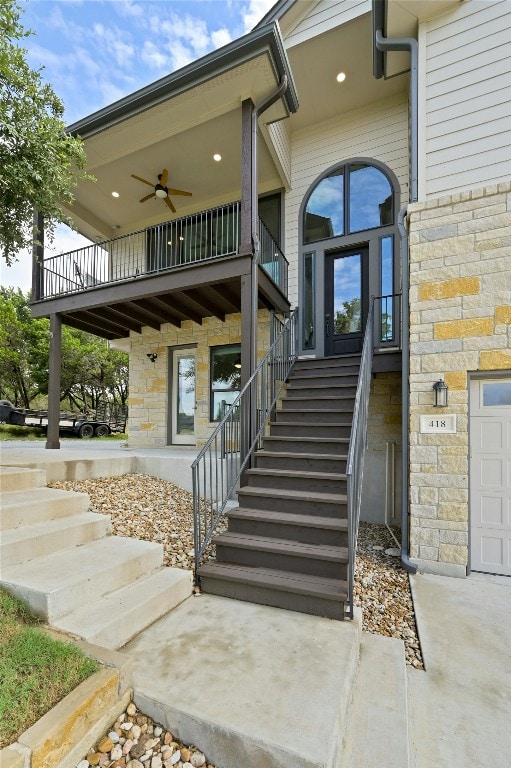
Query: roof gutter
256, 113
264, 39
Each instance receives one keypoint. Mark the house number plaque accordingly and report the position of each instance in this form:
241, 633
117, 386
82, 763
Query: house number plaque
444, 423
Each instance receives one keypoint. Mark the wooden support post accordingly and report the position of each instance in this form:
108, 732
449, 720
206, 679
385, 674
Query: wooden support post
247, 109
246, 360
37, 256
52, 435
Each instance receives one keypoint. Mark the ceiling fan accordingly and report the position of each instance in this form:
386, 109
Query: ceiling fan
161, 190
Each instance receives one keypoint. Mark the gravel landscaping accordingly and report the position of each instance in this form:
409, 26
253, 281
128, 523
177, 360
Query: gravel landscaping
147, 508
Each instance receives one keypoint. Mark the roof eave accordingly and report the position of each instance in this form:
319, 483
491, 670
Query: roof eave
263, 39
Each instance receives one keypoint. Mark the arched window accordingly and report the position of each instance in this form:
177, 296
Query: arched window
352, 198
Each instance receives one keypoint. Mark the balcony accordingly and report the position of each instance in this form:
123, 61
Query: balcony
188, 268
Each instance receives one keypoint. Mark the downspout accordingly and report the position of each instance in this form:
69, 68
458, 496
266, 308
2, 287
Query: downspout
405, 336
411, 45
256, 112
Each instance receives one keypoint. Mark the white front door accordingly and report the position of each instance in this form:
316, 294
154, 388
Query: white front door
490, 475
183, 397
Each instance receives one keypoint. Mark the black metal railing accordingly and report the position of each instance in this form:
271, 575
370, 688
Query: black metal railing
387, 321
218, 467
356, 452
200, 237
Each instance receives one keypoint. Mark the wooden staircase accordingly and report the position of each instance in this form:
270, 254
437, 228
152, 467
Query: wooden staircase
286, 544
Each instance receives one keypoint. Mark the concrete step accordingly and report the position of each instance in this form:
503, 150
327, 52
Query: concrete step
60, 583
310, 429
278, 683
314, 595
38, 505
20, 478
314, 416
19, 545
118, 617
300, 462
310, 529
281, 554
337, 446
298, 502
318, 389
379, 707
296, 480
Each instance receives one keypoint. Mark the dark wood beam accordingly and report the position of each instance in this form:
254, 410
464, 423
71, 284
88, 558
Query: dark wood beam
247, 108
52, 434
83, 325
124, 320
99, 321
205, 302
183, 312
226, 295
140, 313
271, 295
175, 280
160, 309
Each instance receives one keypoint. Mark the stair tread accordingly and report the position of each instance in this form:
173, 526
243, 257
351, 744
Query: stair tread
60, 570
289, 518
286, 494
57, 525
287, 581
290, 439
284, 546
300, 456
296, 473
316, 410
311, 423
125, 604
31, 495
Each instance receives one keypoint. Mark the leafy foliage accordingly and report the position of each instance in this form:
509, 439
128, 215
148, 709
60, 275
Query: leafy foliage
91, 372
38, 159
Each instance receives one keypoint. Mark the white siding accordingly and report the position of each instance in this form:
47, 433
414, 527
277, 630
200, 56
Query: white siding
281, 148
466, 97
326, 15
379, 132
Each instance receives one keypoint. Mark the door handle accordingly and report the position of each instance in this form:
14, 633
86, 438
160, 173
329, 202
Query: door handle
327, 325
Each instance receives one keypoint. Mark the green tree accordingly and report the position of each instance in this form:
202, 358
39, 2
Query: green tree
91, 371
38, 159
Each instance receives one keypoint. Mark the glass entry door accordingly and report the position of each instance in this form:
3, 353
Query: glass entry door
346, 300
183, 397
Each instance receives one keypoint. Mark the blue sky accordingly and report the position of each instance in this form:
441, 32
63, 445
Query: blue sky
96, 51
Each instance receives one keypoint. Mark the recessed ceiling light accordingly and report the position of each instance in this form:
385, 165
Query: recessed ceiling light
217, 157
341, 77
169, 242
181, 237
115, 194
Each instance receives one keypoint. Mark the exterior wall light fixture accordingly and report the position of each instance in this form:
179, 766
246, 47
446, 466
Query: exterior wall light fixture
441, 391
152, 356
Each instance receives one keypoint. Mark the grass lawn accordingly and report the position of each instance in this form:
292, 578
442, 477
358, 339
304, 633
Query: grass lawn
36, 672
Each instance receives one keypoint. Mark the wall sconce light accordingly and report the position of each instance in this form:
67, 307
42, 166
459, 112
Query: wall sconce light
152, 356
441, 391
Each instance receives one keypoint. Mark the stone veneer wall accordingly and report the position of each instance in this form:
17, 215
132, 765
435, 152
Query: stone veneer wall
383, 427
149, 386
460, 299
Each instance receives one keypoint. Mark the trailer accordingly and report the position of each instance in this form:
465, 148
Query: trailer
107, 419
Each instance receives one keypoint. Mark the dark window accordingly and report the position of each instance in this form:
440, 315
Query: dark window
353, 198
225, 378
309, 304
269, 213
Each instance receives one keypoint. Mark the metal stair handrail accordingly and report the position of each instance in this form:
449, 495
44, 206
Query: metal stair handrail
356, 452
219, 465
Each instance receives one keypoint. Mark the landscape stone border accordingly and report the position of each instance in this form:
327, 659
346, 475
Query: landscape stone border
64, 734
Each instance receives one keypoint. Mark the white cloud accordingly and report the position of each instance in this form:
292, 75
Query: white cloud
127, 8
153, 56
112, 40
220, 37
254, 12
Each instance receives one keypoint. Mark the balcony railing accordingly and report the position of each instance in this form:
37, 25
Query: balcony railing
193, 239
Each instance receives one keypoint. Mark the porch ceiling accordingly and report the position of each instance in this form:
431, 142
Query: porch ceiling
316, 64
191, 293
181, 133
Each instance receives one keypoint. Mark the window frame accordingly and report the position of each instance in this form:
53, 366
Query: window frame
212, 350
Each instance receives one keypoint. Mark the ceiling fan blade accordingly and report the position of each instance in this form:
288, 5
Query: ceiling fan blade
147, 197
164, 177
170, 204
179, 192
141, 179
